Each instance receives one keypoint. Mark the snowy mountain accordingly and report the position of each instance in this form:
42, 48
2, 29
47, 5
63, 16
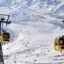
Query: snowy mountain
31, 8
37, 9
35, 25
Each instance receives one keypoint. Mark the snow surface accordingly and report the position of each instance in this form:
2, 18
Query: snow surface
32, 44
35, 25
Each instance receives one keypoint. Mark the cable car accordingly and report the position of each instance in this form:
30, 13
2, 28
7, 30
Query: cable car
5, 37
59, 44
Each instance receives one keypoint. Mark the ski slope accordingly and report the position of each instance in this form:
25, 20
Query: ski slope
32, 44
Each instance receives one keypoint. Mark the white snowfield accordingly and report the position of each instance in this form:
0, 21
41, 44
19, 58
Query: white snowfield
33, 43
35, 25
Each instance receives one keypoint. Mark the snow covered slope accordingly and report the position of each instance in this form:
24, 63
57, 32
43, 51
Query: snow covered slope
32, 42
35, 25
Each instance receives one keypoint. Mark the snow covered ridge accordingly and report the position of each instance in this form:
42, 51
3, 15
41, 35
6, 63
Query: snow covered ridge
47, 6
38, 9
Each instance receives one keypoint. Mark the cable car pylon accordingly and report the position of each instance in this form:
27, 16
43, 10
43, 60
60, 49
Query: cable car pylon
4, 36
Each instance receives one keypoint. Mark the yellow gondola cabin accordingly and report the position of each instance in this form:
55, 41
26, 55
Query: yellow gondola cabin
5, 37
59, 44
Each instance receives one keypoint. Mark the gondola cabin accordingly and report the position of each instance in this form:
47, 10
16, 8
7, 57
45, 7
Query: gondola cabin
59, 44
5, 37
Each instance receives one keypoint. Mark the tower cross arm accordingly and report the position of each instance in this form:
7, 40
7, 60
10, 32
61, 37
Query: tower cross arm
6, 22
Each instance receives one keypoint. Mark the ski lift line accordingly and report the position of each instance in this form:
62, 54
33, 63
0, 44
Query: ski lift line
8, 18
5, 22
5, 15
